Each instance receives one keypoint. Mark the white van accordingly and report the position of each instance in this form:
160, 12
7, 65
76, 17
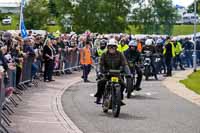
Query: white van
189, 18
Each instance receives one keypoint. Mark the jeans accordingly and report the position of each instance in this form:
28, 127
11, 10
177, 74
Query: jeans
34, 69
168, 61
86, 71
48, 71
188, 58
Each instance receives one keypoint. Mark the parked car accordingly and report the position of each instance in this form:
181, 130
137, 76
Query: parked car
52, 22
7, 20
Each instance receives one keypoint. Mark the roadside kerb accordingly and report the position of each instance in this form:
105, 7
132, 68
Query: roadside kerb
59, 111
173, 84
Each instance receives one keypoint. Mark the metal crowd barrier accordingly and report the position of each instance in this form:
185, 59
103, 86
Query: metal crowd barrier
10, 92
71, 61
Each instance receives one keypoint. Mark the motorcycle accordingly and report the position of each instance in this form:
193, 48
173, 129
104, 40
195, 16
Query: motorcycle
158, 62
112, 93
148, 68
130, 81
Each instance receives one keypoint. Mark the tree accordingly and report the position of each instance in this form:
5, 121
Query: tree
156, 16
101, 15
36, 14
53, 8
191, 7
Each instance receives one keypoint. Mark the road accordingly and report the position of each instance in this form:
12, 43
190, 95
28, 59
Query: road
153, 110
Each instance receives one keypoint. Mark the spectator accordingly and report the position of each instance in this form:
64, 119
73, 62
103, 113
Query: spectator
48, 55
86, 61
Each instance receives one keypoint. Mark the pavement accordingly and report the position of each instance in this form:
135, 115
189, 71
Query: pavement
173, 84
41, 110
156, 109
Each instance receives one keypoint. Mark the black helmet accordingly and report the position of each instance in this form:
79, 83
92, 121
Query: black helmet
103, 42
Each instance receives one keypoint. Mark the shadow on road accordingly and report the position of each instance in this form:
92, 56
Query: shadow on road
123, 116
143, 97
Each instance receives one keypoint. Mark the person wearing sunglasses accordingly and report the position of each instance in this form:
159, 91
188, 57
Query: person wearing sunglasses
111, 60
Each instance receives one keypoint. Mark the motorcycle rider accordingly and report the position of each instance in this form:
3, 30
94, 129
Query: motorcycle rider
111, 60
134, 56
149, 47
102, 49
122, 47
159, 51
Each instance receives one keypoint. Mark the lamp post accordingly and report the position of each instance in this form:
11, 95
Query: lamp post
195, 31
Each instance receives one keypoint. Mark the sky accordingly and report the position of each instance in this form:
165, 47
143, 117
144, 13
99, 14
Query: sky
183, 2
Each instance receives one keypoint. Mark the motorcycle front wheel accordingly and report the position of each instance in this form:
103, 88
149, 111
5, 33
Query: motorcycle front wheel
116, 101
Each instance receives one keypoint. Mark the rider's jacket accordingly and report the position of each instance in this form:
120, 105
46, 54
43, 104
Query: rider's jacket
132, 55
149, 48
110, 61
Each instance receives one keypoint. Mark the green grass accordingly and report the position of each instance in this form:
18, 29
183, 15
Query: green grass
15, 21
184, 29
177, 30
13, 26
192, 82
53, 28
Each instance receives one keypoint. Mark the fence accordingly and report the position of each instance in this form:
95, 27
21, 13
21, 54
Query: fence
15, 81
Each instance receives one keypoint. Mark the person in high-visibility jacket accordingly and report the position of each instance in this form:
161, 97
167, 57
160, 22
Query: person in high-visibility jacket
101, 50
169, 54
139, 46
122, 47
86, 61
178, 50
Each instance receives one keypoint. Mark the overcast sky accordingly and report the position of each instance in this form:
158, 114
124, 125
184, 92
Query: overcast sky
183, 2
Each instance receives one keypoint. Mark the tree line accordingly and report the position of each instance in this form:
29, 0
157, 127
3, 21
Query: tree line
103, 16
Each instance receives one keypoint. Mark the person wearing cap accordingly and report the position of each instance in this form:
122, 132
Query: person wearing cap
134, 57
111, 60
86, 61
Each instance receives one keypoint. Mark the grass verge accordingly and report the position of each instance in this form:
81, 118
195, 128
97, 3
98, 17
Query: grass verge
193, 82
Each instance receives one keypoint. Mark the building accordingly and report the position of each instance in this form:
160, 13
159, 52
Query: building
9, 6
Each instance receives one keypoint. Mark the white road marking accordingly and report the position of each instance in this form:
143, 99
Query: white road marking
92, 95
144, 93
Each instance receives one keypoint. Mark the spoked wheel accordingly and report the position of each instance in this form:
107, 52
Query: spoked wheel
116, 101
146, 73
129, 87
106, 102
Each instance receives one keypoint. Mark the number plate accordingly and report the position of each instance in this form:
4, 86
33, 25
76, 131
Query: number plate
131, 64
115, 79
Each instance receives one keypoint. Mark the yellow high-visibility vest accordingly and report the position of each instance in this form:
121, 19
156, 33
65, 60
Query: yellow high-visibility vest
122, 49
100, 52
173, 50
